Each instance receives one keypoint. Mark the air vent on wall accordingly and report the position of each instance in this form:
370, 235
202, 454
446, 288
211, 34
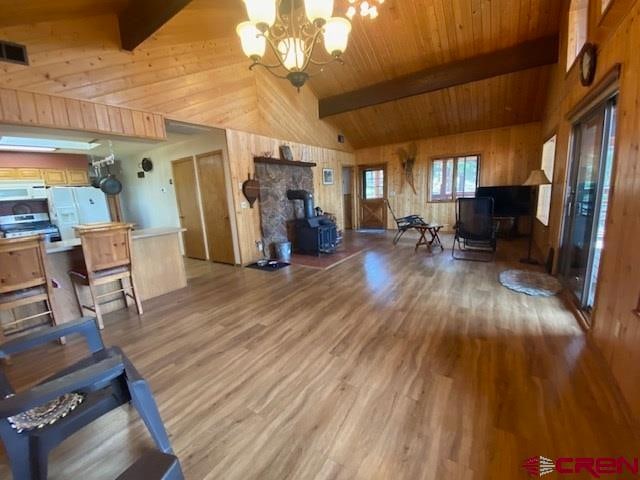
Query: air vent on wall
13, 52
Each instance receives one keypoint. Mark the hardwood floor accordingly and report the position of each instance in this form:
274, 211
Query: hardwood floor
391, 365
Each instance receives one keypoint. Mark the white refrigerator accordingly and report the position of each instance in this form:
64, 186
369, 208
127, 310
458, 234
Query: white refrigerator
71, 206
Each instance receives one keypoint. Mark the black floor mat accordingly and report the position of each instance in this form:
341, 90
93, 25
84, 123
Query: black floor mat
270, 267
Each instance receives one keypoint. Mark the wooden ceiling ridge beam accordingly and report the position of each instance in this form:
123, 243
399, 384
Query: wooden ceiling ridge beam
531, 54
142, 18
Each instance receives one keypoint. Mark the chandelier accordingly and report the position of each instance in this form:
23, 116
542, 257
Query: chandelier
292, 29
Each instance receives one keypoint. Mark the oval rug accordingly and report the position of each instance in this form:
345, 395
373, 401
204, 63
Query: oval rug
537, 284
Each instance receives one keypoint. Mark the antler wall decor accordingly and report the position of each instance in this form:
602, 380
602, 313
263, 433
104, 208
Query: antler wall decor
408, 160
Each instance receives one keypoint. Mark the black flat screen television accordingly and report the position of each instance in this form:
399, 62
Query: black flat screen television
512, 201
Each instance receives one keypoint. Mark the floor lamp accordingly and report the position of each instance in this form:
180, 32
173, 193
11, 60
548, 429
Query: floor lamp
536, 178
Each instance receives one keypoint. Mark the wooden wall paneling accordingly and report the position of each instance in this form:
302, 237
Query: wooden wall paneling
27, 106
159, 126
102, 118
9, 105
615, 328
149, 125
89, 117
22, 107
127, 122
44, 109
138, 123
115, 119
75, 114
242, 147
507, 157
60, 113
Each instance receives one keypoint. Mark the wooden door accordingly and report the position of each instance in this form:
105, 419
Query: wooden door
373, 194
184, 179
215, 207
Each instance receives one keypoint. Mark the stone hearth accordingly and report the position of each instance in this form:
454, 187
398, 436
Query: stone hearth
276, 211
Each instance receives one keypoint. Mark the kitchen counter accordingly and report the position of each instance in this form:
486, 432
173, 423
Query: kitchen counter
66, 245
158, 267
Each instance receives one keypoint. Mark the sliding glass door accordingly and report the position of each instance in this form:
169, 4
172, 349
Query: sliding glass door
588, 197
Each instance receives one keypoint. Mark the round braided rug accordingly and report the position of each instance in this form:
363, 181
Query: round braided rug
536, 284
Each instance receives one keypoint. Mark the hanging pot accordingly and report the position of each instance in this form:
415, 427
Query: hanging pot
109, 184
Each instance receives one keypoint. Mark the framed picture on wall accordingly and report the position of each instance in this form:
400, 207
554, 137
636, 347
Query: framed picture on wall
327, 176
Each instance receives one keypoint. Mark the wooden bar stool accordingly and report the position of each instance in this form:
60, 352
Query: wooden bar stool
107, 255
24, 281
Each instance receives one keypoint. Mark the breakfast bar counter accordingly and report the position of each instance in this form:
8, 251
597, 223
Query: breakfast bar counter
158, 267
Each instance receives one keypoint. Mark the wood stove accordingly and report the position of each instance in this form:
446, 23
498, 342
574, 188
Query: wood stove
314, 234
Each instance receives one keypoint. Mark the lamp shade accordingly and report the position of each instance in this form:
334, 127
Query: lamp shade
318, 10
261, 12
336, 35
253, 42
537, 177
292, 53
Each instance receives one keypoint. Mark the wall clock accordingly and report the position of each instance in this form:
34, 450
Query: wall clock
588, 61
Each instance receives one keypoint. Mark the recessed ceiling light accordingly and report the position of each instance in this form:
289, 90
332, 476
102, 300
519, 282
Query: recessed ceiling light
47, 143
24, 148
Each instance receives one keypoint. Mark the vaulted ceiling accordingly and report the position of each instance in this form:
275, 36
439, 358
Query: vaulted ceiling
407, 36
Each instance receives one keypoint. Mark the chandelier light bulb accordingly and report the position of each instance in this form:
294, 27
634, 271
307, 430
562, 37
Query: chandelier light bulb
373, 12
351, 11
292, 53
262, 13
336, 35
318, 11
253, 42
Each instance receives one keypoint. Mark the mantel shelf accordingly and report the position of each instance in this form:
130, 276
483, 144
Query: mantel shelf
280, 161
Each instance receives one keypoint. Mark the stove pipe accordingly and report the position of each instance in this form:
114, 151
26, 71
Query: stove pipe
306, 197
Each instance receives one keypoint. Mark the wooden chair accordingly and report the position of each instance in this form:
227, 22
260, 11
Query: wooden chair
107, 255
24, 281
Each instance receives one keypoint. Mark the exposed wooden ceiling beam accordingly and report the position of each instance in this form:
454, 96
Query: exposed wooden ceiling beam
531, 54
142, 18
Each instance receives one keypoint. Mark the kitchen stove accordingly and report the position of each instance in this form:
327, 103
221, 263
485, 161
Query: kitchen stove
14, 226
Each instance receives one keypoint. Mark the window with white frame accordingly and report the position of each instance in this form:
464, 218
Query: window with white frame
544, 194
454, 177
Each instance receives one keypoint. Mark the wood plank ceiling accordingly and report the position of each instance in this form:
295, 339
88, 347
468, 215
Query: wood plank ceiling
407, 36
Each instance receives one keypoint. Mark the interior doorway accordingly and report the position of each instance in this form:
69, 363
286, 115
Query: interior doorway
588, 189
184, 178
215, 207
347, 196
373, 195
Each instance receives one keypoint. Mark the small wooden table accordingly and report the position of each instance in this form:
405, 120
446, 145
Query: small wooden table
433, 232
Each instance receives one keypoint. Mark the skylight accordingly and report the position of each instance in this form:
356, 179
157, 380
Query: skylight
23, 148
